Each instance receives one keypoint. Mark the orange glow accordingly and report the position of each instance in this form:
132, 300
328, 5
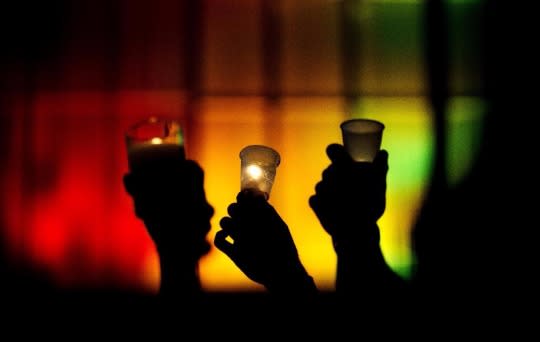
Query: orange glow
77, 223
408, 138
156, 141
226, 125
299, 130
67, 211
233, 73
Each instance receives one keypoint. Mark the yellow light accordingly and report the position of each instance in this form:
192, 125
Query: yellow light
254, 171
156, 141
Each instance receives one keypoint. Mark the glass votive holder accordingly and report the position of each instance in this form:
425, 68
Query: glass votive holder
153, 142
362, 138
258, 168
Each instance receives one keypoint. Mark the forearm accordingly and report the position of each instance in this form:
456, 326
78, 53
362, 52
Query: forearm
365, 269
178, 258
293, 281
361, 264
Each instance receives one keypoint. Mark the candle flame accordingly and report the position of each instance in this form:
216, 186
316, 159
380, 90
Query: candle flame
254, 171
156, 141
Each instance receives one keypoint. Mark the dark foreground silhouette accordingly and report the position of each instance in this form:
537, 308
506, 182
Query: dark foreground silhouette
171, 201
262, 246
348, 201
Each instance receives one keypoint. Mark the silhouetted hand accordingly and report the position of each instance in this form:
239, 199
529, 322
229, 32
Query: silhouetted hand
349, 200
263, 247
351, 196
171, 201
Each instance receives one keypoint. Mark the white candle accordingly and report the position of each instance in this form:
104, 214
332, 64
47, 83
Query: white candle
254, 172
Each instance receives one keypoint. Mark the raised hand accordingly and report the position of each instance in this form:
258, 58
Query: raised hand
262, 246
351, 196
171, 202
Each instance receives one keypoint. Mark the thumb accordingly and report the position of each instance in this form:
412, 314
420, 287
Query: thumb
338, 154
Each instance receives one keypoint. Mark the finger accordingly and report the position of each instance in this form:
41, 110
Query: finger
319, 187
252, 195
338, 154
227, 224
233, 210
329, 172
317, 205
322, 188
221, 243
380, 163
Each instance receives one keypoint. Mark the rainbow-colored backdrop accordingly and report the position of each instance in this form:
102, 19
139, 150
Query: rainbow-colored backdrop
234, 72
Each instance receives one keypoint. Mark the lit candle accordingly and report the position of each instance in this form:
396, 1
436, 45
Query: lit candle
154, 142
254, 172
143, 155
258, 168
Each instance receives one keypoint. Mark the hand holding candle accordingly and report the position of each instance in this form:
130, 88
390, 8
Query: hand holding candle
168, 196
258, 168
255, 237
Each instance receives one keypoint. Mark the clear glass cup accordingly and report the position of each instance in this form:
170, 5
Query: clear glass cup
154, 141
258, 168
362, 138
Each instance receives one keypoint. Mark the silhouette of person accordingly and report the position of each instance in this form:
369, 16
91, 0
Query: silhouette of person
465, 247
348, 202
262, 246
469, 237
170, 199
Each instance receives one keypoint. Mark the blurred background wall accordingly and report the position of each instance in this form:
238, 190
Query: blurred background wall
284, 73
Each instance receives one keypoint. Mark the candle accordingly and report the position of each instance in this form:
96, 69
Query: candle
254, 172
362, 138
258, 168
144, 155
154, 142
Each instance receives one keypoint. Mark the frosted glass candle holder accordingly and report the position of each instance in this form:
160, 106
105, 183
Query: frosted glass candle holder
362, 138
258, 168
154, 142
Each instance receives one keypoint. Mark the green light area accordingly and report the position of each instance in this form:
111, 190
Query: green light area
388, 36
465, 42
408, 138
464, 135
398, 31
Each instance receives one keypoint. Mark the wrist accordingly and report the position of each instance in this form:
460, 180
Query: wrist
361, 239
355, 247
294, 281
